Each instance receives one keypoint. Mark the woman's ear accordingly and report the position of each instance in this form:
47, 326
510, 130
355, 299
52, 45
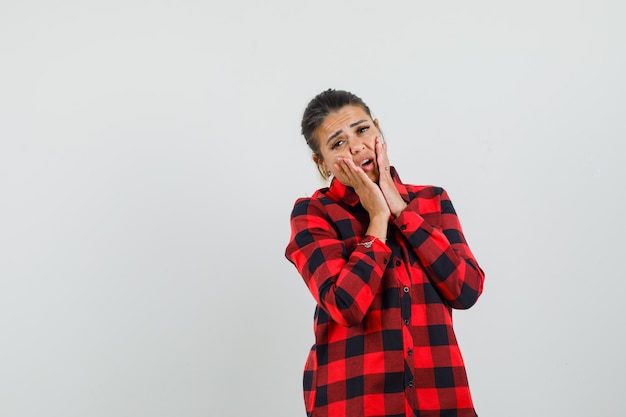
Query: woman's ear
321, 167
318, 161
376, 123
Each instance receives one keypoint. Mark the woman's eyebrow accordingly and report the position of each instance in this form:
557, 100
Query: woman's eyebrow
340, 131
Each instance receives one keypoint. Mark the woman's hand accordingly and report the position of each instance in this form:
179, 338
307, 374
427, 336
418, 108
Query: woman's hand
369, 193
392, 197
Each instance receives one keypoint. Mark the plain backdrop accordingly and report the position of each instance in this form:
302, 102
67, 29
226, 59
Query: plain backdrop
151, 153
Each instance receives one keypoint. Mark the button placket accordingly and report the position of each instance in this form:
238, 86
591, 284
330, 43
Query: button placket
406, 307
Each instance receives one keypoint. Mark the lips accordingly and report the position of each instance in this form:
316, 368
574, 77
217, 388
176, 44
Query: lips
366, 164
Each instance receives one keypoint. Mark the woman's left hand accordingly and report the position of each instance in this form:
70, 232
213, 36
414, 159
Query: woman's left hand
385, 181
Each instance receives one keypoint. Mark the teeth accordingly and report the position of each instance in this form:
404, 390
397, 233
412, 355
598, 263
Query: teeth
365, 162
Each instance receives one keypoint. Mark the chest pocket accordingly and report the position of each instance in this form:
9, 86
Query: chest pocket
350, 223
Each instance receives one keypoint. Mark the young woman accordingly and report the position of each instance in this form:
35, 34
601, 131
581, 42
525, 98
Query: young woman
386, 263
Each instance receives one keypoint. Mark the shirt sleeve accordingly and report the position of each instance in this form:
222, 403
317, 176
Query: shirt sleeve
443, 251
343, 283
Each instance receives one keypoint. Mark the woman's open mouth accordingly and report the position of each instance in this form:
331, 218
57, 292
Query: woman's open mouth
367, 164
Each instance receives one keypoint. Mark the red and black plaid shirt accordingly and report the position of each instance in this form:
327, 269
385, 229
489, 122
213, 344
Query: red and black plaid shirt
384, 343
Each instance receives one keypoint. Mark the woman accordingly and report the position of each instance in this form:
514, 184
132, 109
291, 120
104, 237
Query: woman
386, 262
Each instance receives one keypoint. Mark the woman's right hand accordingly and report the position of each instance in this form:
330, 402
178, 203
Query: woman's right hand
369, 193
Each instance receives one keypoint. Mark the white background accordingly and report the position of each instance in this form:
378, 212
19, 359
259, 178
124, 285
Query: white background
151, 154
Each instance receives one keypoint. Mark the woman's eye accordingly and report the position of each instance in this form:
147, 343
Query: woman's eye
337, 144
363, 129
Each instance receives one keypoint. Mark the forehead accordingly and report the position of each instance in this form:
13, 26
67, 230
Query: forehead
342, 119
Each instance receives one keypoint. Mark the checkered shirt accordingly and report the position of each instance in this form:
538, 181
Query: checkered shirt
384, 343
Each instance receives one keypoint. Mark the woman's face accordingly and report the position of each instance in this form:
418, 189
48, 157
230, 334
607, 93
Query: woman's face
349, 133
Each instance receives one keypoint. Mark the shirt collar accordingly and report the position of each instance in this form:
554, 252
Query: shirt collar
339, 192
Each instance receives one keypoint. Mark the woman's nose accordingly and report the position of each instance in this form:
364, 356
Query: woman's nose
356, 146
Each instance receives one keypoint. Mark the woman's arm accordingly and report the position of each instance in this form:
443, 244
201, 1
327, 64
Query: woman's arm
344, 284
444, 253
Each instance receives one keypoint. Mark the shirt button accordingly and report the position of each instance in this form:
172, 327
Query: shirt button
410, 352
385, 261
398, 263
406, 321
406, 289
410, 383
403, 227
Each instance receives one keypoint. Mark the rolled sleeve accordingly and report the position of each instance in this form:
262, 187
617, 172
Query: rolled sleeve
343, 283
442, 249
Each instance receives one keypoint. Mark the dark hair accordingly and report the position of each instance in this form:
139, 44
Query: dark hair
322, 105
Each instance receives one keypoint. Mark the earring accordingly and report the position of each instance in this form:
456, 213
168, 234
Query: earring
328, 174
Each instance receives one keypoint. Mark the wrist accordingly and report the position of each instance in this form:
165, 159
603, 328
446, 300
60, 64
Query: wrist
368, 243
378, 227
397, 213
380, 219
